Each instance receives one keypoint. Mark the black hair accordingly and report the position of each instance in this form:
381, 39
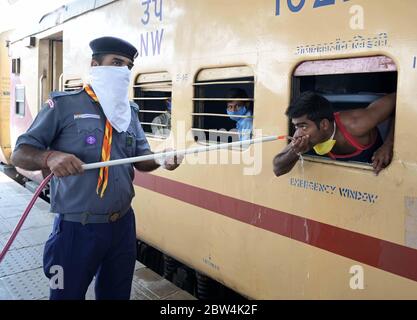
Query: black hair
236, 93
315, 106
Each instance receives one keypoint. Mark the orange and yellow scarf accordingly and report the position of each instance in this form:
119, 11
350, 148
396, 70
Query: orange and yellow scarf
103, 177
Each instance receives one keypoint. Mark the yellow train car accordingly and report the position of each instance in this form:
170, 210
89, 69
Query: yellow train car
328, 229
5, 149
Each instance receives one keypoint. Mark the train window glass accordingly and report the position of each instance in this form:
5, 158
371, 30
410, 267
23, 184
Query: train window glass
20, 100
16, 66
73, 85
223, 105
152, 92
348, 84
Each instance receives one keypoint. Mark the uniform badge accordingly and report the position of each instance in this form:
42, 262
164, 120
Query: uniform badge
129, 141
91, 140
86, 116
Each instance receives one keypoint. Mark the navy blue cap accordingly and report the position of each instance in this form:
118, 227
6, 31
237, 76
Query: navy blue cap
112, 45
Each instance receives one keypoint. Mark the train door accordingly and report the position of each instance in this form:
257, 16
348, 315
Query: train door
50, 66
5, 148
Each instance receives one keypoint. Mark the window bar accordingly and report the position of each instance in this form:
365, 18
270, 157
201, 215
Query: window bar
217, 115
222, 82
155, 136
216, 131
155, 124
151, 85
223, 99
153, 111
147, 98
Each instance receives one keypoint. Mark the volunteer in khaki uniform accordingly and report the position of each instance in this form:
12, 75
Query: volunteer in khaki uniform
94, 229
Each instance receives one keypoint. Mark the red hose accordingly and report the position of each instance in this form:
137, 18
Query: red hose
24, 216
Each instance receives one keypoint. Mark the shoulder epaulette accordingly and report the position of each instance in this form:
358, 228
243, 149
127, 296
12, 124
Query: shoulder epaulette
59, 94
54, 95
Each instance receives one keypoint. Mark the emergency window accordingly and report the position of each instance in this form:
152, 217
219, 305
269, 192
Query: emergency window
20, 100
347, 83
73, 85
215, 90
152, 92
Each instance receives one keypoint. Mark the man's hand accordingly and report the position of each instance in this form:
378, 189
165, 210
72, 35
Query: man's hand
171, 163
382, 158
63, 164
300, 144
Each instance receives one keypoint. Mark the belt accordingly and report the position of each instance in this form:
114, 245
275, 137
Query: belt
87, 217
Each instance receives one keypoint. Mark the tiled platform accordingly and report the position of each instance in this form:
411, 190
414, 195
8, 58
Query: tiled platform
21, 275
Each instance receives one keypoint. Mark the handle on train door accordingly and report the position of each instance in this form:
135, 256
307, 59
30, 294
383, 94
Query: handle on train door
41, 78
61, 83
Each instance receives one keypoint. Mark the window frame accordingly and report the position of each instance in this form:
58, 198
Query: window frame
20, 101
153, 81
345, 66
73, 84
16, 66
219, 76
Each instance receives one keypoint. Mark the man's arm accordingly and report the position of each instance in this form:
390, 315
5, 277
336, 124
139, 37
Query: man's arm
29, 158
285, 161
364, 120
31, 147
59, 163
146, 166
383, 156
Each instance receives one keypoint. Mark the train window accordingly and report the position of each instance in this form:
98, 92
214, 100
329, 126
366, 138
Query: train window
152, 92
73, 85
348, 84
223, 105
16, 66
20, 100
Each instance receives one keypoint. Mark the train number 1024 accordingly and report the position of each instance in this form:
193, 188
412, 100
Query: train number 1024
297, 5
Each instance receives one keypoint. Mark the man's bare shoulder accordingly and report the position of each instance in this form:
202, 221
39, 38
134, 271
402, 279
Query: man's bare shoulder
353, 121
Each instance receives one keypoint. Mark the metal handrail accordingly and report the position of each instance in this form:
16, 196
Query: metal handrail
41, 78
60, 82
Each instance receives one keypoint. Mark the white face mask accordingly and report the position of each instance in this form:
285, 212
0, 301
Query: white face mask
111, 85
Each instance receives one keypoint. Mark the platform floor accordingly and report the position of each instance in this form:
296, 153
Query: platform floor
21, 274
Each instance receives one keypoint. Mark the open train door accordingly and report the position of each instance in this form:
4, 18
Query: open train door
38, 71
5, 148
50, 66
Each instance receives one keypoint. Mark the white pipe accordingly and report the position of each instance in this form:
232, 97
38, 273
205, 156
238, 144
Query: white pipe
179, 152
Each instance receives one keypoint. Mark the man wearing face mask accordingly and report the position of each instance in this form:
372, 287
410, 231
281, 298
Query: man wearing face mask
350, 135
162, 124
240, 112
94, 230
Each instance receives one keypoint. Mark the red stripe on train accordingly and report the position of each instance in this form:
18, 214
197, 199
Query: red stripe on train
378, 253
